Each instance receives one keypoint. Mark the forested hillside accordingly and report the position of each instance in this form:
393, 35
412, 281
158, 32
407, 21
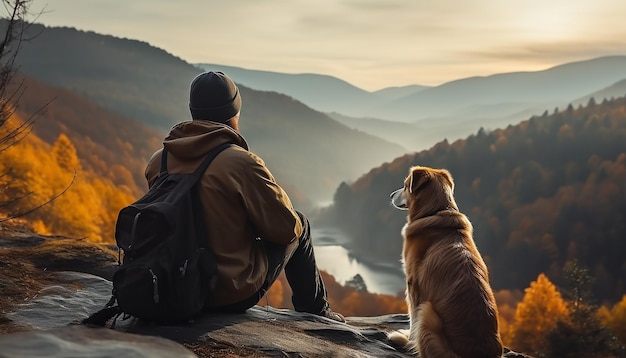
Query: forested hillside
128, 76
547, 191
107, 143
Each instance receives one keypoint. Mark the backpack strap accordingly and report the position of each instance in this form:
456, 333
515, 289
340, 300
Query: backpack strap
209, 158
163, 169
101, 317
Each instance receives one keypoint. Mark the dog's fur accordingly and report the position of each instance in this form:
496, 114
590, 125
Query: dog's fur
452, 309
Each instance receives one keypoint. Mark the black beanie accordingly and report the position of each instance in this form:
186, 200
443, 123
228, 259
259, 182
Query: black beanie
213, 96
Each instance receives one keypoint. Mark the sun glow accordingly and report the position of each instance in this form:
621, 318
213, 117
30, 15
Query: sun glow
553, 21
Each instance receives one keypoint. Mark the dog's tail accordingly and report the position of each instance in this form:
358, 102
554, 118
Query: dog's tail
431, 340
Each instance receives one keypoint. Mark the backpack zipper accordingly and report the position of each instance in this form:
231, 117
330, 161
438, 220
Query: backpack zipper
155, 287
183, 269
134, 229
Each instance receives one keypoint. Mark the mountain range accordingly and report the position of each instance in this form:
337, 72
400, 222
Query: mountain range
451, 110
314, 89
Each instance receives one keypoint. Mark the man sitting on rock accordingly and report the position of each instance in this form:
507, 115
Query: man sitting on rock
253, 229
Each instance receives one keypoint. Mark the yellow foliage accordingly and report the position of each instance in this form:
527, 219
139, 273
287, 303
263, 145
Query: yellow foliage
538, 313
40, 227
35, 172
351, 303
64, 153
615, 319
507, 302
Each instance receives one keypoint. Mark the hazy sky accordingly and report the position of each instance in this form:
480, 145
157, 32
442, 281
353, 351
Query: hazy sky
369, 43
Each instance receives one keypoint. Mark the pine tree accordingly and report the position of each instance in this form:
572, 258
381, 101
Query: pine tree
357, 282
582, 334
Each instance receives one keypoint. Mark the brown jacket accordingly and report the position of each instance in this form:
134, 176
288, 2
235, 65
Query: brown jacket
242, 204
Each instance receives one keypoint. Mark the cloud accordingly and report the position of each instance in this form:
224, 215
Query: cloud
557, 51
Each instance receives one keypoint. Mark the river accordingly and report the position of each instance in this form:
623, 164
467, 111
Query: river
333, 257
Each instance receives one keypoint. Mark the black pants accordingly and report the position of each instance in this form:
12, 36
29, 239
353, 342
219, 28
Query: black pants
308, 290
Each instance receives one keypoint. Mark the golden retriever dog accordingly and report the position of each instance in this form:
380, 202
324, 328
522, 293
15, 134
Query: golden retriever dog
452, 309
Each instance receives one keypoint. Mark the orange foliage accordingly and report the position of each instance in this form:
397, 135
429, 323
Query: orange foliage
35, 172
274, 296
64, 152
615, 319
538, 313
507, 301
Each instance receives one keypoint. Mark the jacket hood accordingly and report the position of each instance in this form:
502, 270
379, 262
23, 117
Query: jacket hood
193, 139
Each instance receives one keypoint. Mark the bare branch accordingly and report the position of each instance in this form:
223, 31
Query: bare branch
21, 131
13, 200
15, 24
15, 216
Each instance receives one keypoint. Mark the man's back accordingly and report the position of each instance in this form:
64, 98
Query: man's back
240, 202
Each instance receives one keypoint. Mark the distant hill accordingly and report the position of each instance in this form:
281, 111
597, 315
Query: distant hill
321, 92
394, 93
307, 150
555, 86
458, 108
615, 90
543, 192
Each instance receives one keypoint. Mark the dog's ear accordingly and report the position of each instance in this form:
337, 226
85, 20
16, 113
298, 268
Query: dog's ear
447, 177
418, 177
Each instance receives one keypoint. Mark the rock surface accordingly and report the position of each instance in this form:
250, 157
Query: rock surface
81, 341
40, 306
52, 315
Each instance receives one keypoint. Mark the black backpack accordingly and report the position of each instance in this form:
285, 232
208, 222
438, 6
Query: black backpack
167, 272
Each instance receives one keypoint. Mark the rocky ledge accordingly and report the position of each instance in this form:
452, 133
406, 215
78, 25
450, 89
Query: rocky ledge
50, 283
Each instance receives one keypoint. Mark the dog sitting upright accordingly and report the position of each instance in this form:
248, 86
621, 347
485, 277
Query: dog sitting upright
452, 310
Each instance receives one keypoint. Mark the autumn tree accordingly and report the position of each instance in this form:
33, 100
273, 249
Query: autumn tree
538, 313
615, 319
64, 153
